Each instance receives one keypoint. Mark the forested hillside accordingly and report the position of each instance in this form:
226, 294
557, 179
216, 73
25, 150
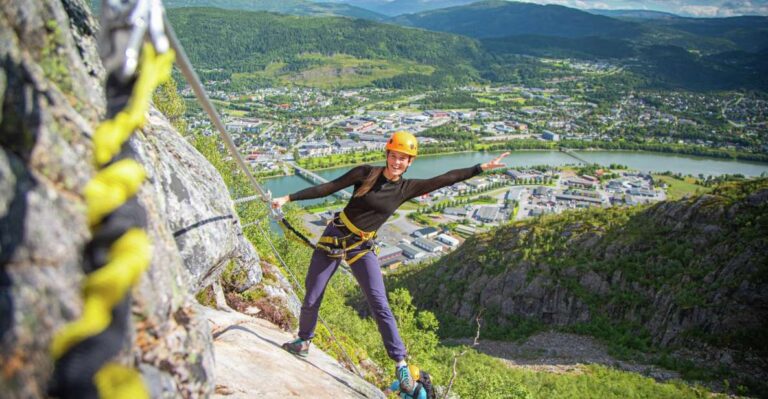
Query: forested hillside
292, 7
748, 33
257, 49
261, 47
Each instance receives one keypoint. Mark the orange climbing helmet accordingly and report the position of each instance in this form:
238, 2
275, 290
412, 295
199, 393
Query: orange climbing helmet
404, 142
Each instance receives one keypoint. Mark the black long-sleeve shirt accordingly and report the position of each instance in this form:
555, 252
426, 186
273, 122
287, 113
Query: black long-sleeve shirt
370, 211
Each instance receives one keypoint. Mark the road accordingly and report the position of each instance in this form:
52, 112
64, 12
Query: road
732, 102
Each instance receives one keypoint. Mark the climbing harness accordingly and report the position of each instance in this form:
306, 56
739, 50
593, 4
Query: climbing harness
336, 247
356, 240
120, 250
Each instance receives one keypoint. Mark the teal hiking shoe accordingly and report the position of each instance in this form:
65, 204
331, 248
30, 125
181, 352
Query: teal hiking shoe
298, 347
407, 384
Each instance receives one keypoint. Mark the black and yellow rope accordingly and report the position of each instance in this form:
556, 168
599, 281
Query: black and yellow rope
117, 255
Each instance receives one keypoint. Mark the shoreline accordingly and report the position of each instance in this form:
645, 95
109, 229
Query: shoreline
590, 149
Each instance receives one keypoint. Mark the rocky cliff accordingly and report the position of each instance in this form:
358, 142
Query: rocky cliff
684, 274
51, 91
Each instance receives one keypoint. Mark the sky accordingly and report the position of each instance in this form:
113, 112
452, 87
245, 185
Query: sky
691, 8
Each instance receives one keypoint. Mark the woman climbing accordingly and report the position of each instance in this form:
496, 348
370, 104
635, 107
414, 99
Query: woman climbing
378, 192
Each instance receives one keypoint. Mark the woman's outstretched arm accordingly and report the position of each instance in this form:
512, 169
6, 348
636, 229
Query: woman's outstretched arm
419, 187
355, 175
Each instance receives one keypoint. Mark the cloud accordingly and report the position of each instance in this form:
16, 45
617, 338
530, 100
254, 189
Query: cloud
743, 7
694, 8
600, 6
580, 4
699, 11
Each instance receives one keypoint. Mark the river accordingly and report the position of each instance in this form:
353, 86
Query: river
644, 161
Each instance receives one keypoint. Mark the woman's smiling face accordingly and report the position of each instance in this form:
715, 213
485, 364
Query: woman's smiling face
397, 164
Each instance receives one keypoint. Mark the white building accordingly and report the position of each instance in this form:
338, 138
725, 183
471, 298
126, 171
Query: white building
427, 245
488, 214
448, 240
426, 232
412, 252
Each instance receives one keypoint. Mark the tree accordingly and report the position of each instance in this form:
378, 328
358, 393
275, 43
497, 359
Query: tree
168, 101
418, 329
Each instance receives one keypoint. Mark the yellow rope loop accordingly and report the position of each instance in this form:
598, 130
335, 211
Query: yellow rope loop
110, 135
114, 381
129, 256
111, 187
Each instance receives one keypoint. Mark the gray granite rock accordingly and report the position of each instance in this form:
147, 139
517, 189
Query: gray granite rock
51, 91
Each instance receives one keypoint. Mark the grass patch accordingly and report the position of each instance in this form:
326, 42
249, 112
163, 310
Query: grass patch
341, 70
409, 206
206, 297
325, 206
603, 382
678, 188
332, 72
235, 112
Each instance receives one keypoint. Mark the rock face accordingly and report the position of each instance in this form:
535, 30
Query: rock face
690, 273
51, 91
250, 364
196, 204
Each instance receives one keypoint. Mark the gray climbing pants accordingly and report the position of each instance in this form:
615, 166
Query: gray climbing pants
368, 274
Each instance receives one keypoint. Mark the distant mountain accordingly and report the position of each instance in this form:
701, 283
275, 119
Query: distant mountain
398, 7
293, 7
748, 33
633, 14
497, 18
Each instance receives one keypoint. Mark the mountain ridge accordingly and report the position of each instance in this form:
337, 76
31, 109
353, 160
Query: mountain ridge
632, 13
495, 18
397, 7
499, 18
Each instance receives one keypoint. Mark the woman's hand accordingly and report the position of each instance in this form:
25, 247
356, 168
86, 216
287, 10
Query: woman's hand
278, 202
495, 163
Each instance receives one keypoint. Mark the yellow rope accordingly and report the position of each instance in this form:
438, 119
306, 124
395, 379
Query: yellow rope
111, 134
119, 382
130, 255
111, 187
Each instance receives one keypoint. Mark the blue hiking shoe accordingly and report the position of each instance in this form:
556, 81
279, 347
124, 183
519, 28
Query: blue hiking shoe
298, 347
403, 375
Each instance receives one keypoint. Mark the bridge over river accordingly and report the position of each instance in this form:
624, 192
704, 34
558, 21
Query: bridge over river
572, 154
317, 179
